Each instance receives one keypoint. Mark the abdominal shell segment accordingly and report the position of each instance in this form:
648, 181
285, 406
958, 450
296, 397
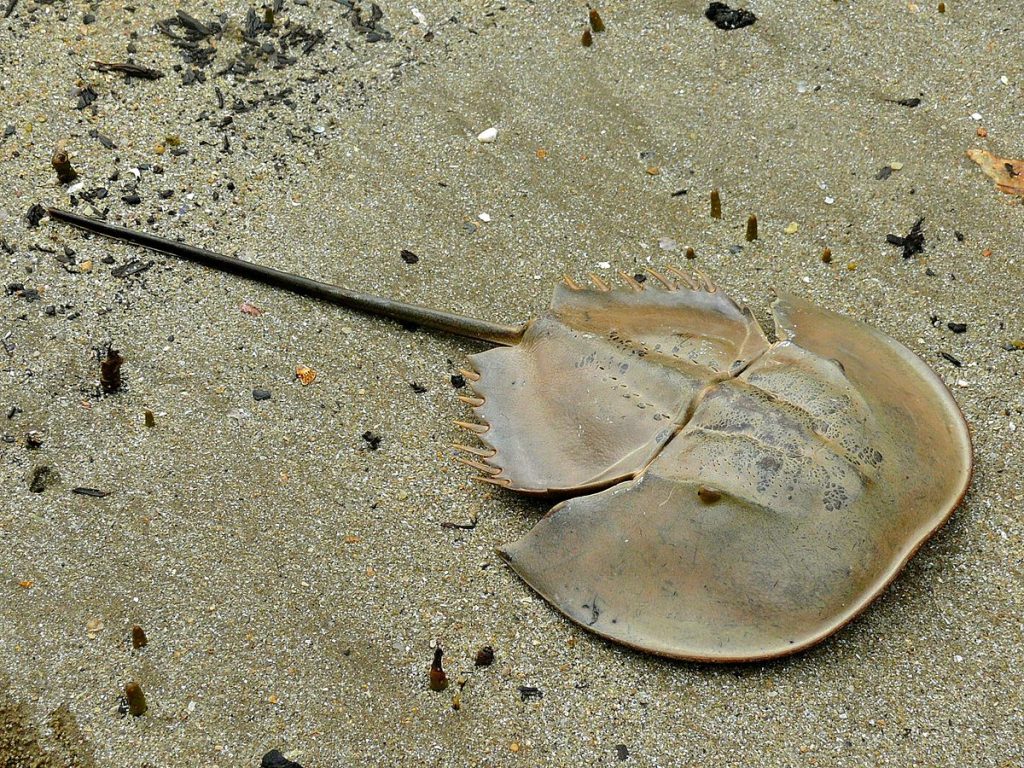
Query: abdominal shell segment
736, 500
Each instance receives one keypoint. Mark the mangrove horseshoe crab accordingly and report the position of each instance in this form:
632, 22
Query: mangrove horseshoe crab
727, 498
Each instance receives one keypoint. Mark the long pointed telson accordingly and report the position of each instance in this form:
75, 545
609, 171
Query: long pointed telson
448, 322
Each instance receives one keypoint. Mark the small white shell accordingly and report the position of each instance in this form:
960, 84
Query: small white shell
488, 136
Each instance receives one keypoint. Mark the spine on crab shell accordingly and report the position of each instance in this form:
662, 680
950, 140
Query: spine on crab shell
447, 322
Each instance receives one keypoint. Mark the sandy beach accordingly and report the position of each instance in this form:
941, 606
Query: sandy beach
283, 545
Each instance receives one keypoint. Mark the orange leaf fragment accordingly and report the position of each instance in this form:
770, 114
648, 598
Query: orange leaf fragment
353, 539
542, 153
250, 309
305, 375
27, 584
1007, 174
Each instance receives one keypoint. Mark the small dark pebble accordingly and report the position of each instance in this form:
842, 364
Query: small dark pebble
139, 639
132, 199
372, 439
136, 699
133, 267
35, 215
274, 759
527, 692
96, 493
34, 439
261, 394
724, 17
42, 477
957, 327
884, 173
949, 358
907, 102
930, 272
458, 380
409, 257
417, 387
958, 235
61, 163
110, 371
640, 277
89, 18
104, 140
13, 411
680, 192
484, 657
621, 752
86, 96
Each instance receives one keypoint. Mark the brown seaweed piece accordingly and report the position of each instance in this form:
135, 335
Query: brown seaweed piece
730, 499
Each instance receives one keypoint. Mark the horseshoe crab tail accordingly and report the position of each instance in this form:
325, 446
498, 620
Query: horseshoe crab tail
447, 322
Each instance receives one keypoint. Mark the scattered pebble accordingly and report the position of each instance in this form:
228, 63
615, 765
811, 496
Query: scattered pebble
484, 217
42, 478
62, 165
110, 371
724, 17
139, 639
274, 759
95, 493
438, 677
957, 327
458, 380
372, 440
484, 657
488, 136
527, 692
792, 228
409, 257
137, 705
261, 394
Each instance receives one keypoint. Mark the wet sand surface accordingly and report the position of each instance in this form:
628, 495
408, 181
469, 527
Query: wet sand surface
290, 570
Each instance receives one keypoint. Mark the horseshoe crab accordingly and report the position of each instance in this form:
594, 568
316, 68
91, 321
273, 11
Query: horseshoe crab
725, 498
